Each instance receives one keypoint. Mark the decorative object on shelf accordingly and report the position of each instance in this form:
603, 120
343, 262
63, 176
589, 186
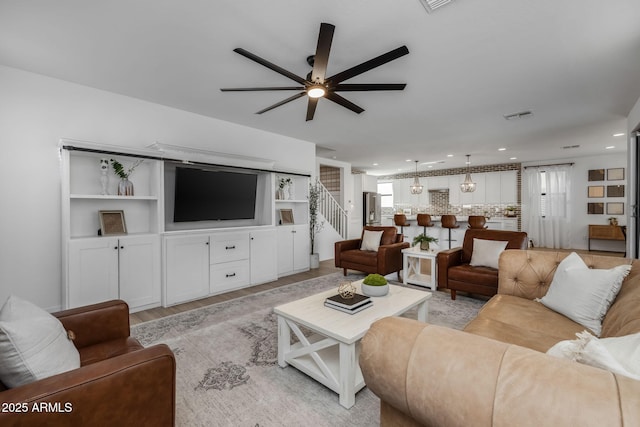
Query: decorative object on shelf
468, 186
104, 179
423, 240
112, 223
125, 187
615, 174
510, 211
346, 290
315, 226
283, 183
286, 216
416, 188
613, 221
375, 285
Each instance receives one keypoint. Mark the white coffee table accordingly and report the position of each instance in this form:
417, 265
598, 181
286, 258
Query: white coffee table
330, 355
413, 269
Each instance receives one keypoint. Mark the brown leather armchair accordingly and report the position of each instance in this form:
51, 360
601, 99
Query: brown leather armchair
386, 260
455, 273
119, 382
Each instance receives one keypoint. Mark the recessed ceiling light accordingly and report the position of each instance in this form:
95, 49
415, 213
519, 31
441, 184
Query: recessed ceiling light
609, 147
512, 158
618, 134
408, 160
449, 155
502, 149
375, 164
430, 166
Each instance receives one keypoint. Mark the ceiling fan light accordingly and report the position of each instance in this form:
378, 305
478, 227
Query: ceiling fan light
316, 91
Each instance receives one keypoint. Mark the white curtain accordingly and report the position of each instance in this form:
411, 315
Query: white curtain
547, 214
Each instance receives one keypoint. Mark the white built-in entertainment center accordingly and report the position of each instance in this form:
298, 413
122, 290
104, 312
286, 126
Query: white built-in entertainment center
159, 261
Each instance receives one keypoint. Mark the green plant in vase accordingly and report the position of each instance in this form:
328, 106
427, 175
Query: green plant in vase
424, 241
315, 225
125, 187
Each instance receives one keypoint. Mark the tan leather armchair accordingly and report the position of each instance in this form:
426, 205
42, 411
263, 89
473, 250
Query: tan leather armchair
455, 273
386, 260
119, 382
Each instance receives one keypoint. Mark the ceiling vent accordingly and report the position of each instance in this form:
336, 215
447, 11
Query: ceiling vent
568, 147
431, 5
520, 115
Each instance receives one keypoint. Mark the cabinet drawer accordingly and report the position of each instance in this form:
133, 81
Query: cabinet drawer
233, 247
229, 275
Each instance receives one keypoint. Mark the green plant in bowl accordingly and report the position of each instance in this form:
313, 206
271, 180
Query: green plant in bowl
375, 280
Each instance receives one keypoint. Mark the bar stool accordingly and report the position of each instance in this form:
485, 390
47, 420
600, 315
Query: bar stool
477, 222
400, 220
449, 221
424, 220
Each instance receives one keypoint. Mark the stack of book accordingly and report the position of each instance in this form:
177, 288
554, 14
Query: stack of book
351, 305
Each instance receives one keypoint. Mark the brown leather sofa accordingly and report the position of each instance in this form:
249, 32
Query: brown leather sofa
119, 383
495, 372
387, 260
455, 273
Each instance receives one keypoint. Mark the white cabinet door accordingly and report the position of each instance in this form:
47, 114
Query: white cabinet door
301, 247
478, 197
264, 256
93, 271
509, 187
186, 268
493, 187
369, 183
454, 189
285, 249
139, 264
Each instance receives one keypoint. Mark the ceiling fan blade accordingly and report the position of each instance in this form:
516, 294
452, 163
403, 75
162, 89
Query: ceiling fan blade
344, 102
369, 86
368, 65
321, 58
311, 108
249, 89
270, 65
291, 98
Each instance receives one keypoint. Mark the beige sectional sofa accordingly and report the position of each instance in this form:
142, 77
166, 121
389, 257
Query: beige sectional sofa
495, 372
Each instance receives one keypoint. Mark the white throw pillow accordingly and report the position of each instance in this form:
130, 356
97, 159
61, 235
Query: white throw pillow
487, 252
584, 294
371, 240
620, 355
33, 344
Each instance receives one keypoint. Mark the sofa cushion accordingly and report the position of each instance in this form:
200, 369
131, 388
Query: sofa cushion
33, 344
620, 355
484, 276
357, 256
487, 252
583, 294
371, 240
623, 318
523, 322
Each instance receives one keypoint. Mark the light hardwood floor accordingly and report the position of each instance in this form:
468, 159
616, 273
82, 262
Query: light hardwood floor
326, 267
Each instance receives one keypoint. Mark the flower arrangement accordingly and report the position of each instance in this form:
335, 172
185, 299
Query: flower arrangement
284, 182
120, 171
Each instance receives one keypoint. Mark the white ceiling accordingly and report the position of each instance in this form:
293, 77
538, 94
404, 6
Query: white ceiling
575, 64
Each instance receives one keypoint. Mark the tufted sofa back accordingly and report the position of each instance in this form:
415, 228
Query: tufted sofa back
528, 274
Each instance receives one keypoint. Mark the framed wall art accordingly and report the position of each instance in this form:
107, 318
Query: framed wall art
112, 223
595, 208
616, 174
595, 191
615, 208
615, 190
596, 175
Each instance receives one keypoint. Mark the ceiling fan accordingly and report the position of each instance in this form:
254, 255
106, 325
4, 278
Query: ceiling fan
316, 85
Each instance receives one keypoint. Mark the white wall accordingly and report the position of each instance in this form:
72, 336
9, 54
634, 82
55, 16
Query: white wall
633, 125
579, 183
36, 111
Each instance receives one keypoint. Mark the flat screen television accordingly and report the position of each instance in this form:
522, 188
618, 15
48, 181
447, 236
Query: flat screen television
206, 195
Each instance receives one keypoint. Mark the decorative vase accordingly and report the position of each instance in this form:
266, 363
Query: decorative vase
104, 179
290, 191
424, 246
125, 187
279, 194
375, 291
314, 260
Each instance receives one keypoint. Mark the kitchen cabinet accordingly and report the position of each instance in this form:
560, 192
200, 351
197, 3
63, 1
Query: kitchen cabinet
294, 249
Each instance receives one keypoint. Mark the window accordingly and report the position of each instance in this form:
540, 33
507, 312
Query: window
386, 194
553, 194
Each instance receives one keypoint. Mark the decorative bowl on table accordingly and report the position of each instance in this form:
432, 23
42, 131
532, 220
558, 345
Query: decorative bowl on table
375, 285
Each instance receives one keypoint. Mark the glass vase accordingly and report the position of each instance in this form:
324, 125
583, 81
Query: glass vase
125, 187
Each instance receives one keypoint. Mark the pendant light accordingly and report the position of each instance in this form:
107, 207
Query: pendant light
468, 186
416, 188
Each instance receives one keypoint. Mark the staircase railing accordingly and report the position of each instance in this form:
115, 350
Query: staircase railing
332, 211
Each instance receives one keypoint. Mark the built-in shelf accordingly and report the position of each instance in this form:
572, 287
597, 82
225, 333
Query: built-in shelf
110, 197
292, 201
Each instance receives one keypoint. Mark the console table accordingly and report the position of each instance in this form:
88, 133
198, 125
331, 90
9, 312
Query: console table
606, 232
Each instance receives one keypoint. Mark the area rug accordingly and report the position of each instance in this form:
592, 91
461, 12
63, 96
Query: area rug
227, 372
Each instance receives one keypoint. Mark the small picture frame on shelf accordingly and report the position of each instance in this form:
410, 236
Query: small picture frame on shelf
615, 174
596, 174
286, 216
596, 191
616, 208
112, 223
